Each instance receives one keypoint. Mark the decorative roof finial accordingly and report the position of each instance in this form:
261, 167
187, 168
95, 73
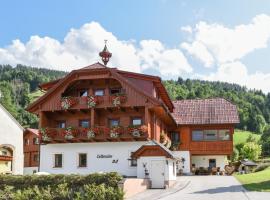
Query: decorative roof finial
105, 54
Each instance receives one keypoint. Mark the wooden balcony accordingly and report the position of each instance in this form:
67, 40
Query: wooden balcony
5, 158
97, 134
211, 147
67, 103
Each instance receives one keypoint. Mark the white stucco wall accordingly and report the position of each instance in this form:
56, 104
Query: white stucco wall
203, 161
29, 170
186, 165
119, 150
11, 134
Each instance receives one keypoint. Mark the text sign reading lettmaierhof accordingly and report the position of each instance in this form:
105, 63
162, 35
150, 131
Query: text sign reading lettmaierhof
104, 156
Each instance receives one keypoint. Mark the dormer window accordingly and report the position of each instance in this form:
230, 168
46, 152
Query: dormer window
136, 121
99, 92
83, 93
114, 91
61, 124
84, 123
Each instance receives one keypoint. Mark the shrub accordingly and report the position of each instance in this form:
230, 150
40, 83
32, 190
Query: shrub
251, 150
262, 167
61, 187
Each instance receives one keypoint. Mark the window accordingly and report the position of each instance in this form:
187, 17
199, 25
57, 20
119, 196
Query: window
35, 141
197, 135
82, 160
84, 123
210, 135
83, 93
4, 153
114, 122
175, 137
61, 124
224, 134
99, 92
35, 158
115, 91
136, 121
132, 161
58, 160
26, 141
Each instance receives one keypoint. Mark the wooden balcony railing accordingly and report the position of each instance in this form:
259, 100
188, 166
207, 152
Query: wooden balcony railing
211, 147
5, 158
97, 134
91, 102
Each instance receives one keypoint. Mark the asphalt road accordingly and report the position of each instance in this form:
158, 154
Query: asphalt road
204, 188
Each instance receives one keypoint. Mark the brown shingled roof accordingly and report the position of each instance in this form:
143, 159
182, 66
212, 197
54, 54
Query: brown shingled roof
205, 111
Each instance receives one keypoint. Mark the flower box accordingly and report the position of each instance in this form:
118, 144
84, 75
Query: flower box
117, 100
67, 102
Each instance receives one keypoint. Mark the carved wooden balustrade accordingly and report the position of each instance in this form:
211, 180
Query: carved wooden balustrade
96, 134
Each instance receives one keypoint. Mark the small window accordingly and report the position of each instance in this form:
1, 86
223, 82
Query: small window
114, 122
224, 134
137, 121
84, 123
35, 141
61, 124
210, 135
4, 153
83, 93
175, 137
58, 160
99, 92
132, 161
115, 91
82, 160
197, 135
35, 158
26, 141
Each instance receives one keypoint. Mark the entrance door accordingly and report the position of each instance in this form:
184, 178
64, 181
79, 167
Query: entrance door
212, 163
157, 173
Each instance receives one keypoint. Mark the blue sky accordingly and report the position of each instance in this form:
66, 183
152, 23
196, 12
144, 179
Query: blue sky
148, 33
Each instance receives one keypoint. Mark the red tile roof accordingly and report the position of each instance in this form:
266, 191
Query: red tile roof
205, 111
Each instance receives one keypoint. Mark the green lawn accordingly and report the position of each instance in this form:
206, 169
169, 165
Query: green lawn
241, 136
259, 181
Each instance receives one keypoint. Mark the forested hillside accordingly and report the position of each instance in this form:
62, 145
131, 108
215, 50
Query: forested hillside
19, 86
253, 105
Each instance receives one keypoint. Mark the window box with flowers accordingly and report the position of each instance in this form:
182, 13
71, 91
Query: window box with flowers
137, 131
115, 132
67, 102
45, 135
92, 101
69, 133
118, 99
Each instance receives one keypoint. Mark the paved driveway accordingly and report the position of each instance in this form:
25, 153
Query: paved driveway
204, 188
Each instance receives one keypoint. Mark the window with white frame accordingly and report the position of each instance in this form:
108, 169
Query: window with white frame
132, 161
58, 160
82, 160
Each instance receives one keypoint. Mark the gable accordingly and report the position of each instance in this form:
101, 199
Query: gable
137, 97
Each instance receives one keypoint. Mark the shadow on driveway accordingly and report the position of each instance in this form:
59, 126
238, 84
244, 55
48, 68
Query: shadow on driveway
233, 188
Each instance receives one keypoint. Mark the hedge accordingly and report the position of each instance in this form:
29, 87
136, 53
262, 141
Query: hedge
61, 187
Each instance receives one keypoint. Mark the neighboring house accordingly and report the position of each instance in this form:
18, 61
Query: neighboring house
31, 150
11, 144
206, 128
101, 119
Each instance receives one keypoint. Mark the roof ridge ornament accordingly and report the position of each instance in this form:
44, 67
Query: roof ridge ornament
105, 54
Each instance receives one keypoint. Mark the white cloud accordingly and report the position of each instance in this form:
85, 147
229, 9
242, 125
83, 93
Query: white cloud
167, 61
236, 72
223, 47
81, 46
229, 44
